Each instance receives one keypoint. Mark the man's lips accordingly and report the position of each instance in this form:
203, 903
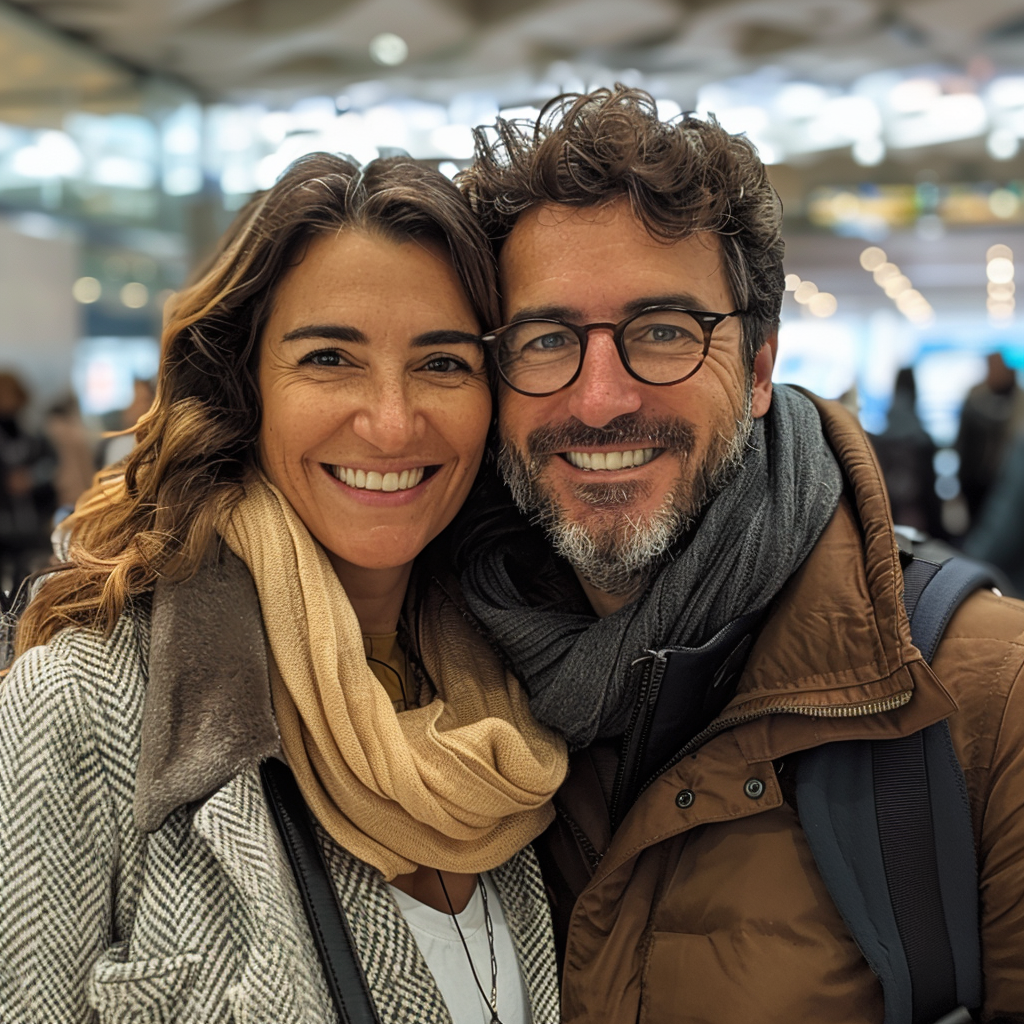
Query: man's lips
611, 461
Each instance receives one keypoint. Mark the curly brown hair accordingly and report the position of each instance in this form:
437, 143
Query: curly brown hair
157, 514
680, 177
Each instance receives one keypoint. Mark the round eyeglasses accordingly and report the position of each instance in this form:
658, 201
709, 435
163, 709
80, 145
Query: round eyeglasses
659, 345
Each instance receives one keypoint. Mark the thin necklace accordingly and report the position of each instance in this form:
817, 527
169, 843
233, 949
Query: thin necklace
489, 925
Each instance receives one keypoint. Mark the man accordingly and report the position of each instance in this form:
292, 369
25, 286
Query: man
719, 524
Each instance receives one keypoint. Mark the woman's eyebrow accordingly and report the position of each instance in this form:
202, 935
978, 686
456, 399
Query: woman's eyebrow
452, 337
336, 332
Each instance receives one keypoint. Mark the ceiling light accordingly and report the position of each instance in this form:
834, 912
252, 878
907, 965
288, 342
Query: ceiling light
86, 290
999, 250
389, 49
868, 152
1002, 144
134, 295
872, 258
823, 304
1004, 203
897, 285
1000, 270
805, 291
792, 282
884, 272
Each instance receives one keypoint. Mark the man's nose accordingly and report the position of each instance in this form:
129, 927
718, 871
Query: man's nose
604, 389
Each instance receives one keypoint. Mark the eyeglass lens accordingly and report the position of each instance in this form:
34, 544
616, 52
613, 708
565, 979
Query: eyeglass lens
660, 346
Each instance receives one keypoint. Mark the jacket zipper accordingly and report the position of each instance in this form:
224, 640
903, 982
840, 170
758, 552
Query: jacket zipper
874, 707
650, 685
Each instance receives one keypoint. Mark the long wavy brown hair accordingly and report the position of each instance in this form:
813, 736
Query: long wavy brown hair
157, 514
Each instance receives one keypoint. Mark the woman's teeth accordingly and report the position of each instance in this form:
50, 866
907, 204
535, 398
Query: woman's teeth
373, 481
611, 460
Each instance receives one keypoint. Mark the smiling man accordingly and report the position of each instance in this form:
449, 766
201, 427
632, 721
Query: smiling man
704, 594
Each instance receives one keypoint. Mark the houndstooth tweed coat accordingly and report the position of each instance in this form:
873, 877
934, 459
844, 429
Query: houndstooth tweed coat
141, 876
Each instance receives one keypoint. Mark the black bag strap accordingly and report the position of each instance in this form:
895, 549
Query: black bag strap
889, 824
904, 799
345, 978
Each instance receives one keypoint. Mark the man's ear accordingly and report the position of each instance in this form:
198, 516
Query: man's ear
764, 363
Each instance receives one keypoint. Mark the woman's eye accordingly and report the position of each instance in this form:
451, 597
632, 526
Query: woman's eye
446, 364
324, 357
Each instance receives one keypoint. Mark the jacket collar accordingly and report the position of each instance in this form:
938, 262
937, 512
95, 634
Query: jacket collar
207, 714
836, 648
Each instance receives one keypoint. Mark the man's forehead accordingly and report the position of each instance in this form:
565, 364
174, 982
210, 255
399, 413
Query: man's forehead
603, 249
566, 220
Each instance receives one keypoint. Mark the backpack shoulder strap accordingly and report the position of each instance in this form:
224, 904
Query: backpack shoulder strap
889, 825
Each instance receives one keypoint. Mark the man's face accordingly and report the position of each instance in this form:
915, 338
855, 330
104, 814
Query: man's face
614, 524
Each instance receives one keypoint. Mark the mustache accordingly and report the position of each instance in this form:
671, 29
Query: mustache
633, 429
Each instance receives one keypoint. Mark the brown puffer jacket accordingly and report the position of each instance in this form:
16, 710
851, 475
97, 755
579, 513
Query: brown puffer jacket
714, 912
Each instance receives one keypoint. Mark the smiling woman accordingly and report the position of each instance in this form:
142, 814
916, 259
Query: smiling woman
375, 404
266, 577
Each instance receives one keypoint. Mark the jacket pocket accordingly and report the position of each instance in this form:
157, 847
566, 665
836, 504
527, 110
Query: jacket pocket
152, 991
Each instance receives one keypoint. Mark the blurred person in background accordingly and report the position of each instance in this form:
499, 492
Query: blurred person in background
27, 497
906, 453
997, 535
73, 444
992, 414
120, 445
266, 577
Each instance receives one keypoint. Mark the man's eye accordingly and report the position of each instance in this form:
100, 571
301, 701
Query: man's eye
547, 342
663, 333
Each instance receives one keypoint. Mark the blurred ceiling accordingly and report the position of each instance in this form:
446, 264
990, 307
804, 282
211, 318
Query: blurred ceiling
274, 51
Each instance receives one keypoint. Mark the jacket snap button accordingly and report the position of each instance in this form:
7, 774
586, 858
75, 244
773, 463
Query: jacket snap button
754, 788
684, 798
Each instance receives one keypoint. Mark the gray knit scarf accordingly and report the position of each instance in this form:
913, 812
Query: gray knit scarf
750, 539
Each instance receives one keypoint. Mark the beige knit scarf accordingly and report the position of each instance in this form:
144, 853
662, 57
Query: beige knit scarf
460, 784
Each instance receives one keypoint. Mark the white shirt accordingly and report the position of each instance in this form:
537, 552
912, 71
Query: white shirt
439, 943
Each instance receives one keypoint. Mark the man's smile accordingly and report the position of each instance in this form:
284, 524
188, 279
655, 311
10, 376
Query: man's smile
610, 461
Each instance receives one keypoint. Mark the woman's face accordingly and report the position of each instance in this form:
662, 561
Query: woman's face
375, 398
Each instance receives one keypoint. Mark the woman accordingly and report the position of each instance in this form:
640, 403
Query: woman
264, 580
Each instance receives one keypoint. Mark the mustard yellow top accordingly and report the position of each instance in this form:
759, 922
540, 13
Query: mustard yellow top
389, 663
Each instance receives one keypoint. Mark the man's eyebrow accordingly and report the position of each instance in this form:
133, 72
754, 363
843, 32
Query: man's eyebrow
333, 332
567, 313
575, 316
684, 299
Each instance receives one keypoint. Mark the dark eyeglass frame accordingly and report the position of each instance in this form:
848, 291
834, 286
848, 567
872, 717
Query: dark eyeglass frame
707, 320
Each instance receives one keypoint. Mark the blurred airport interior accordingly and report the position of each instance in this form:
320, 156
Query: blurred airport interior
130, 130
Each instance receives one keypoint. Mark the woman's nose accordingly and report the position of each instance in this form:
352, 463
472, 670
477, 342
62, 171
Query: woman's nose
388, 417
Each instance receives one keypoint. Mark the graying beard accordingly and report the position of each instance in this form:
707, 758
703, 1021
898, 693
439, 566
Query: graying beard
620, 559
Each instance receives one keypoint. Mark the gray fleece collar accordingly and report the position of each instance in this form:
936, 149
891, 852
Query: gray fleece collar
207, 714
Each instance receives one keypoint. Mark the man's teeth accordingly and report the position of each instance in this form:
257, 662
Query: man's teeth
611, 460
373, 481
